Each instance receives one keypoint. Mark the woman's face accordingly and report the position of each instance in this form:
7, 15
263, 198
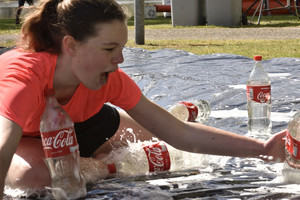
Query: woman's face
95, 58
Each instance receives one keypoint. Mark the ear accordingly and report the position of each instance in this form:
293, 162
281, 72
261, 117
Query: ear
69, 45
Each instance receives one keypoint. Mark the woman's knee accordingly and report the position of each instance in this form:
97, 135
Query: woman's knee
24, 176
28, 168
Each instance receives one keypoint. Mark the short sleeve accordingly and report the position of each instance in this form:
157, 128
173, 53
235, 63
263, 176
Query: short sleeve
23, 77
18, 97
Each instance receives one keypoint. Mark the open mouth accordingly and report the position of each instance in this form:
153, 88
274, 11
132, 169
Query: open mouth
103, 78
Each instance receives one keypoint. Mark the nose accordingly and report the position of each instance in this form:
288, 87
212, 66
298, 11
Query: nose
119, 58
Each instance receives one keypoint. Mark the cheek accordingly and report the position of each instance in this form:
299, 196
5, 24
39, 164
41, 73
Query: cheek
90, 62
86, 62
92, 67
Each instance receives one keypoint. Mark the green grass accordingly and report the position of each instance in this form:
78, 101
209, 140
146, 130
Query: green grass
275, 21
8, 26
159, 23
267, 48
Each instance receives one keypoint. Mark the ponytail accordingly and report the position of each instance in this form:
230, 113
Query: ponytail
36, 30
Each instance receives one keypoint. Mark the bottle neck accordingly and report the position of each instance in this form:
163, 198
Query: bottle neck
51, 101
258, 63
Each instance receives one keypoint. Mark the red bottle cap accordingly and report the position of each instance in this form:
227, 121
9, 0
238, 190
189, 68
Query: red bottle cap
49, 92
112, 169
258, 58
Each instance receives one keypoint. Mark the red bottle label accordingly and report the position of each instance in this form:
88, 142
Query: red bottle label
59, 143
260, 94
193, 110
158, 157
292, 146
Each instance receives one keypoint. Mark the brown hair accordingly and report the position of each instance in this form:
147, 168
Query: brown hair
45, 27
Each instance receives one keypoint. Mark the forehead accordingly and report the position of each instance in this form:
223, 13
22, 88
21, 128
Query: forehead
112, 32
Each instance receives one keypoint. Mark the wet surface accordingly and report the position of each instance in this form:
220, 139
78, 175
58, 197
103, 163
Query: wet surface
167, 76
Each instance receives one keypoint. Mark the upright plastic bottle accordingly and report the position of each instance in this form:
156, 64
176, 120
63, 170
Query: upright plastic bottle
61, 151
259, 100
291, 167
191, 111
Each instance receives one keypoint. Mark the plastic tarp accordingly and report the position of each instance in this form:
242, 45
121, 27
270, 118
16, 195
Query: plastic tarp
167, 76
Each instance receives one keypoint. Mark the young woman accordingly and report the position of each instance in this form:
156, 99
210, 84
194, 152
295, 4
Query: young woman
75, 46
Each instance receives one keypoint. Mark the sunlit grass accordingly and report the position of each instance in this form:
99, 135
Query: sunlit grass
267, 48
8, 26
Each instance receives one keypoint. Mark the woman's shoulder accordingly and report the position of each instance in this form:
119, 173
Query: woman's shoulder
23, 60
31, 66
19, 54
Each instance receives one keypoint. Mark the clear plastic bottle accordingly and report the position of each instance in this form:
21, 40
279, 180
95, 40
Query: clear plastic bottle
291, 167
191, 111
150, 157
259, 100
61, 150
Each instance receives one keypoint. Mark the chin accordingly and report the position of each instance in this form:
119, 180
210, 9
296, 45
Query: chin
94, 87
97, 88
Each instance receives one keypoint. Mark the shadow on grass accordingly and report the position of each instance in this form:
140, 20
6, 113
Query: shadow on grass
283, 24
155, 21
266, 21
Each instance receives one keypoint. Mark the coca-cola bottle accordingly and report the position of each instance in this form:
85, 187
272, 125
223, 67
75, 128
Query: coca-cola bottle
291, 168
259, 100
61, 150
150, 157
191, 111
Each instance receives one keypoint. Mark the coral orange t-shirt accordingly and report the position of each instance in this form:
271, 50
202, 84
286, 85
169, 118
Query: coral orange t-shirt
24, 76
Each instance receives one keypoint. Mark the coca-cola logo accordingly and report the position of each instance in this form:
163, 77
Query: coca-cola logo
263, 97
192, 109
155, 157
260, 94
62, 139
60, 142
158, 157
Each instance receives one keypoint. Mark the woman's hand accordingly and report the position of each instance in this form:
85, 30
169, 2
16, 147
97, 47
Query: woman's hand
275, 147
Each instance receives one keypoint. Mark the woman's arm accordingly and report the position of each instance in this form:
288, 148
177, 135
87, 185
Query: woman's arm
10, 134
199, 138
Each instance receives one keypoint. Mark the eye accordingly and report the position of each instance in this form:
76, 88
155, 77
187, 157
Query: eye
109, 49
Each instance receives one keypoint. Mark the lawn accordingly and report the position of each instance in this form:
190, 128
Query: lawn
268, 48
